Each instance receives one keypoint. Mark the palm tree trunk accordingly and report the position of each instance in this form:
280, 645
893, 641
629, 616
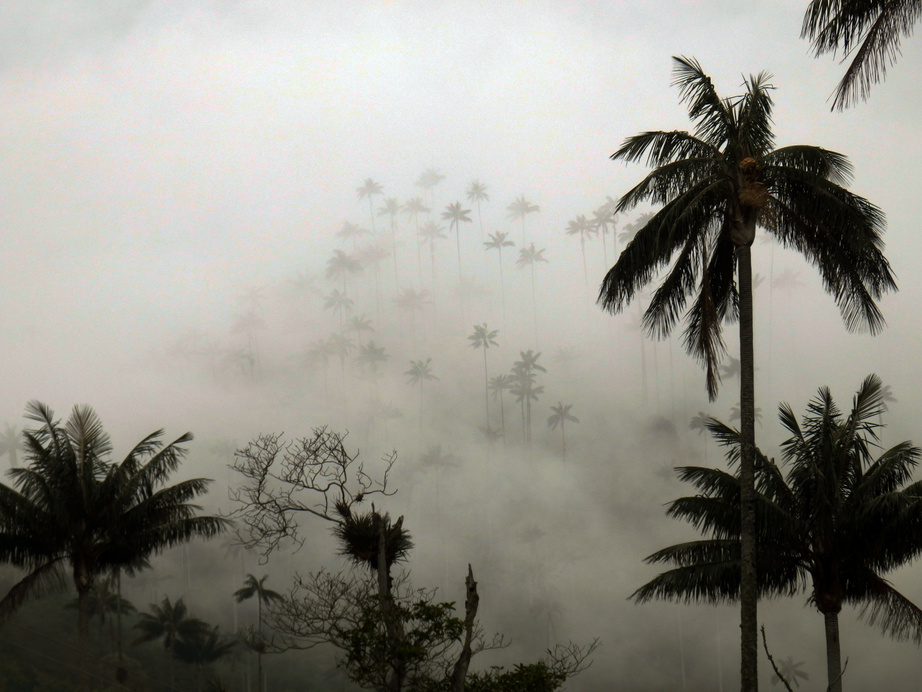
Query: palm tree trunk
748, 585
486, 388
833, 653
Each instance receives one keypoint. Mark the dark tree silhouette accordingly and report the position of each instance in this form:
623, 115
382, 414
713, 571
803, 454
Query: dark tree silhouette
482, 338
529, 257
560, 416
580, 226
716, 187
455, 216
257, 587
519, 209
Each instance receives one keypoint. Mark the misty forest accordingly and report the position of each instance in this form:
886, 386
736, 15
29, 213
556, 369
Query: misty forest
334, 362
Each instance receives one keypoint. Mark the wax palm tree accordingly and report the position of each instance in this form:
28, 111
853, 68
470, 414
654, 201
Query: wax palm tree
72, 508
413, 208
391, 208
370, 189
521, 208
359, 324
168, 622
257, 587
341, 265
603, 219
580, 226
455, 216
482, 338
351, 231
477, 193
497, 241
525, 387
716, 187
869, 30
430, 232
834, 521
428, 180
560, 416
529, 257
339, 303
419, 373
498, 385
203, 649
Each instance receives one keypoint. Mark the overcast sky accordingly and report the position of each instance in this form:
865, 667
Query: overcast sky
159, 159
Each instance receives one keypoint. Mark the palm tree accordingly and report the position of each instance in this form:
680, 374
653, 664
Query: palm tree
413, 208
525, 387
871, 31
477, 193
455, 215
391, 208
74, 508
168, 622
257, 587
341, 265
529, 257
603, 219
834, 521
430, 232
561, 414
420, 372
483, 338
351, 231
338, 302
498, 242
369, 189
521, 208
359, 324
203, 649
716, 187
583, 228
427, 180
498, 385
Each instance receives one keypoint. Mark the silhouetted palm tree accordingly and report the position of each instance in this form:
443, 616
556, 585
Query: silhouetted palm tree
455, 216
427, 180
529, 257
525, 387
483, 338
477, 193
561, 414
834, 522
257, 587
369, 189
204, 649
868, 30
351, 231
413, 208
716, 187
430, 232
497, 386
341, 265
359, 324
521, 208
169, 622
391, 208
603, 219
339, 303
498, 242
420, 372
580, 226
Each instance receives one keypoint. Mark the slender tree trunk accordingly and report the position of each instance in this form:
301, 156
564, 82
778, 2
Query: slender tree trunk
833, 652
749, 642
486, 388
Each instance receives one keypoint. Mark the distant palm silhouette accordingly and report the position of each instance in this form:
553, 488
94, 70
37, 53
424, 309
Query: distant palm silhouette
603, 219
11, 444
413, 208
482, 338
350, 231
341, 265
521, 208
339, 303
525, 387
419, 373
455, 216
627, 235
391, 208
731, 369
477, 193
529, 257
792, 672
584, 229
559, 416
497, 241
359, 324
430, 232
427, 180
370, 189
497, 385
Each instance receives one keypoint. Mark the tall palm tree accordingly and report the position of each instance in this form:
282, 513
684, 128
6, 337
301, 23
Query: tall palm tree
351, 231
339, 303
341, 265
370, 189
560, 416
203, 649
168, 622
455, 216
833, 522
870, 30
477, 193
413, 208
716, 187
497, 241
482, 338
580, 226
529, 257
257, 587
521, 208
525, 387
430, 232
74, 509
391, 208
603, 218
419, 373
427, 180
498, 385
